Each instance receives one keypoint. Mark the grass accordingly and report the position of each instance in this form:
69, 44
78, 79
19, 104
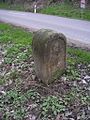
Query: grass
66, 10
63, 10
17, 43
14, 34
11, 7
81, 55
19, 39
19, 100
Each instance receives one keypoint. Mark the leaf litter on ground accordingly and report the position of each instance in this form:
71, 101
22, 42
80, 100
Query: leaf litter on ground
24, 97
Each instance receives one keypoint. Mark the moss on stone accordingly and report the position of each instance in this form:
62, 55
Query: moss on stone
49, 52
56, 75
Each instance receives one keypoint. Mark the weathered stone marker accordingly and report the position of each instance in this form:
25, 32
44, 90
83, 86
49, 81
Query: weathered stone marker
49, 52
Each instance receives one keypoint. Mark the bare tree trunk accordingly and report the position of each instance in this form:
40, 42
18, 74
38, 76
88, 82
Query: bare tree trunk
4, 1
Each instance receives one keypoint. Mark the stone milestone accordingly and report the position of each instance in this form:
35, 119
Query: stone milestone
49, 52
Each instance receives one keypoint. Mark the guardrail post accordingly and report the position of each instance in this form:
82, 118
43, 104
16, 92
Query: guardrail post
35, 8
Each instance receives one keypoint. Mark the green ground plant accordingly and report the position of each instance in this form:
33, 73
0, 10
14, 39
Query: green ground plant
67, 10
80, 55
15, 35
62, 9
12, 6
15, 100
52, 105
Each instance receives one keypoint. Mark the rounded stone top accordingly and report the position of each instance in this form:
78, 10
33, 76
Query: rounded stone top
47, 34
49, 53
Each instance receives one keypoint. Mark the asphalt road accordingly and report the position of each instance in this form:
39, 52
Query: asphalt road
77, 31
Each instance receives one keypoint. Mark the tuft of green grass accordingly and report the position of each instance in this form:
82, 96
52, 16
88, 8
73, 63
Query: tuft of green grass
76, 57
3, 5
80, 55
67, 10
8, 33
18, 7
